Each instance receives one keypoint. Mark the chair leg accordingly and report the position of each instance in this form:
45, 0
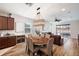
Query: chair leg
31, 54
26, 50
52, 54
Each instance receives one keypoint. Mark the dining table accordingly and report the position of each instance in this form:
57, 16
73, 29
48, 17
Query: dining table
40, 41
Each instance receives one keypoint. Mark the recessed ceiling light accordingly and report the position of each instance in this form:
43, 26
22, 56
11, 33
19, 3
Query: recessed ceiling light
63, 9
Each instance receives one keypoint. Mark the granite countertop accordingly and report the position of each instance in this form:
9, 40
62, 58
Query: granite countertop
9, 35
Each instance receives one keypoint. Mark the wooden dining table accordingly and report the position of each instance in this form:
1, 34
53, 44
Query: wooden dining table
40, 41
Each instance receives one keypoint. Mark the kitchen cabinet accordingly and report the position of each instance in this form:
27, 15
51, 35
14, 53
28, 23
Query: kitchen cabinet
3, 42
10, 23
78, 39
6, 42
6, 23
20, 38
0, 23
11, 41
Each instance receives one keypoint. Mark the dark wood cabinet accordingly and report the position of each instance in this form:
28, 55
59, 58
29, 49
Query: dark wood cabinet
78, 39
10, 23
3, 42
0, 23
20, 38
11, 41
6, 42
6, 23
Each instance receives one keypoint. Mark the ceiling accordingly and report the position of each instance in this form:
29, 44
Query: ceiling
48, 11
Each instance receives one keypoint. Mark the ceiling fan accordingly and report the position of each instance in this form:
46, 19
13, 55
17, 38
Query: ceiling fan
57, 20
29, 4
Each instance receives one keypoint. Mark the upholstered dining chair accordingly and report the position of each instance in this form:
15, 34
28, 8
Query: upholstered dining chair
26, 42
48, 49
47, 36
29, 35
42, 35
31, 49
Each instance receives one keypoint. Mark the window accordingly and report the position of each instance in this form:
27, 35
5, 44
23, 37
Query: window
27, 28
63, 29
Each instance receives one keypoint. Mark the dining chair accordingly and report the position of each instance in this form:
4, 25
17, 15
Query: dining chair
48, 49
29, 35
31, 49
42, 35
47, 36
27, 46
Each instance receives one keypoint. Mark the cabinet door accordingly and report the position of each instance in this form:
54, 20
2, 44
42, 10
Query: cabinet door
10, 23
4, 25
11, 41
3, 42
0, 23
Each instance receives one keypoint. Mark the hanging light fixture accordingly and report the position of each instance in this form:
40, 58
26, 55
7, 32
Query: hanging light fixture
39, 21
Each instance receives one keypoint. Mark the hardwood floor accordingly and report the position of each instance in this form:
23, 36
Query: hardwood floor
18, 50
70, 48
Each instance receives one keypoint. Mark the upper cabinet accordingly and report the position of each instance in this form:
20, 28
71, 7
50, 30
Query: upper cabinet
6, 23
10, 23
1, 20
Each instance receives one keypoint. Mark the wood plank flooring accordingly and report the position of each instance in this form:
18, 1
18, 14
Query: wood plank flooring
70, 48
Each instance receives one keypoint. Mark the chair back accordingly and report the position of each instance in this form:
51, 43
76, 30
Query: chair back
49, 46
29, 35
47, 36
26, 41
30, 44
42, 35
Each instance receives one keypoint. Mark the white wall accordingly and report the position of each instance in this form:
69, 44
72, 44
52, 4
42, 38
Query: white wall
74, 29
54, 27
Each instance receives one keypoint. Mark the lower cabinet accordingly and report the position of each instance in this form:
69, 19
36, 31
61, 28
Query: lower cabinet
11, 41
78, 39
6, 42
3, 42
20, 38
